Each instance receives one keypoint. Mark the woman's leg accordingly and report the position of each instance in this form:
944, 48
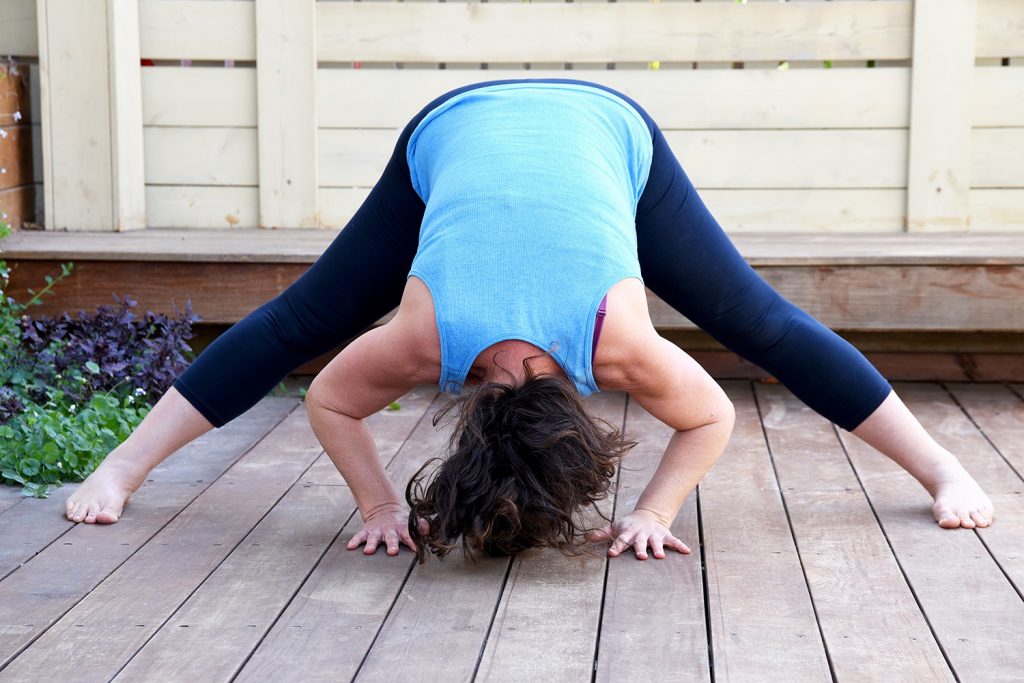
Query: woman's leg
689, 262
356, 281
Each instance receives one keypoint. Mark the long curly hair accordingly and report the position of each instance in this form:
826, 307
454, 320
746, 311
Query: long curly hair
522, 463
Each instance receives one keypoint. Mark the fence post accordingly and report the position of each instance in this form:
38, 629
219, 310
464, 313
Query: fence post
286, 66
939, 156
91, 101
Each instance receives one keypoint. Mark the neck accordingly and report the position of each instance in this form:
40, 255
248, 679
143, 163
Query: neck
503, 362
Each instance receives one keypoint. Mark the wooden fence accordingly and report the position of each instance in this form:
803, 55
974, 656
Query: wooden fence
290, 108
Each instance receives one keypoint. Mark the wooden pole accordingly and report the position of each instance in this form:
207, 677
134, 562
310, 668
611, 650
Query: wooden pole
939, 156
286, 66
91, 116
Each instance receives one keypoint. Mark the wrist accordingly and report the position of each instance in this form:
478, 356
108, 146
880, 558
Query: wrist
378, 508
659, 517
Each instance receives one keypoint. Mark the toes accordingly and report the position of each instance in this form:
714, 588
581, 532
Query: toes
947, 519
107, 515
966, 521
979, 519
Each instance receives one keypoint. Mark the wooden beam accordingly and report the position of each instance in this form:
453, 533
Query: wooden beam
287, 113
939, 153
91, 115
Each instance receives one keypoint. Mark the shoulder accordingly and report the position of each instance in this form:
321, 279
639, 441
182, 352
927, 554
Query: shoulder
405, 350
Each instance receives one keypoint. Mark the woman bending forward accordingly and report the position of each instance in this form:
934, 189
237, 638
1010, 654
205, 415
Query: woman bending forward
516, 227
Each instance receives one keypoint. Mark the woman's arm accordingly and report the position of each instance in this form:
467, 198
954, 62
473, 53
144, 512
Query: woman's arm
670, 385
370, 373
674, 388
632, 357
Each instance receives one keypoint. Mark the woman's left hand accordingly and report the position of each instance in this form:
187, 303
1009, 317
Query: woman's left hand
638, 529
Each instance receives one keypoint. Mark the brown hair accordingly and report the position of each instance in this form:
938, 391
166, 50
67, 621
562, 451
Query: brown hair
522, 461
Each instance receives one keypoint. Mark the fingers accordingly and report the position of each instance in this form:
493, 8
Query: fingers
391, 542
354, 542
623, 541
640, 546
678, 544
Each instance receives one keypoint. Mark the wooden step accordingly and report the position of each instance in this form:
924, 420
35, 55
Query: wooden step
892, 282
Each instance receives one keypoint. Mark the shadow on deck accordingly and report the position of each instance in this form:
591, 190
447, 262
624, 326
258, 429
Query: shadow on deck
813, 557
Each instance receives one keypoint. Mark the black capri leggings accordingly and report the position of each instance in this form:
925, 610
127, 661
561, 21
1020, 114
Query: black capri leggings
685, 258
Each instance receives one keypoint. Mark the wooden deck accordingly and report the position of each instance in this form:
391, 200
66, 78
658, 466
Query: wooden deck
814, 558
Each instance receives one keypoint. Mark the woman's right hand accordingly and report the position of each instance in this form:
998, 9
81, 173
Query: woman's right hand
389, 523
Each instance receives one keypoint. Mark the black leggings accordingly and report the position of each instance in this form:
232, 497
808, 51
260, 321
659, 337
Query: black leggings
685, 258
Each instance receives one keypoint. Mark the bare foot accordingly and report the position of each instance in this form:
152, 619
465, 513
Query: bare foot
959, 501
101, 497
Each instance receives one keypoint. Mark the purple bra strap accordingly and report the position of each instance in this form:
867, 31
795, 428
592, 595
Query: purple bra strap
598, 322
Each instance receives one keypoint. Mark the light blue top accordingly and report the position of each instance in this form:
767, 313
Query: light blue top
530, 192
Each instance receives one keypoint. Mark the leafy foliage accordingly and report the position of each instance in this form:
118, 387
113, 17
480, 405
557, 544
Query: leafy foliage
73, 388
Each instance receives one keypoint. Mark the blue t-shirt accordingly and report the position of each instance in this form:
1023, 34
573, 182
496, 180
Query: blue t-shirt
530, 192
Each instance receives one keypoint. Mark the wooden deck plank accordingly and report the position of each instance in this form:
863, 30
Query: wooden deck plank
100, 633
44, 589
973, 610
861, 598
675, 583
332, 621
30, 526
762, 619
999, 413
546, 625
225, 619
9, 496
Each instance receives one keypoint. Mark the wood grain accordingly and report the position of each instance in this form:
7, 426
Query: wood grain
15, 155
957, 582
762, 619
29, 527
596, 32
305, 246
286, 70
331, 623
546, 624
939, 176
237, 605
861, 599
44, 588
109, 625
662, 599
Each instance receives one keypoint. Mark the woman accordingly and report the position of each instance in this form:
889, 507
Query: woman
510, 213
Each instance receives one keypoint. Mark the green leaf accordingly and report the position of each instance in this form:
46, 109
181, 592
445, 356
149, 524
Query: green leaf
92, 367
395, 406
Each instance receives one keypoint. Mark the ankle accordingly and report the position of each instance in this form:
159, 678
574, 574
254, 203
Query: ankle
122, 467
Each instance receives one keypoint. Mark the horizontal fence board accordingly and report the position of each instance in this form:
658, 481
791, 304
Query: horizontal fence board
354, 158
738, 211
189, 96
808, 210
997, 211
196, 29
612, 32
201, 156
796, 98
998, 96
187, 206
1000, 28
18, 34
339, 204
996, 155
713, 159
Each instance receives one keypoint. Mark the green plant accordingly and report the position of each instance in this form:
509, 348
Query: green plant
71, 390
